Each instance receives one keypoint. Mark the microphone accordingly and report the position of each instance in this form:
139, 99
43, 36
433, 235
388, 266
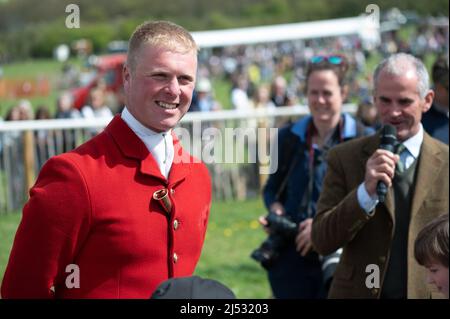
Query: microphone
388, 142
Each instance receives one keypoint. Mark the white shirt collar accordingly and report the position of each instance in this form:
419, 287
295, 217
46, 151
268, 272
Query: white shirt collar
414, 143
160, 145
135, 125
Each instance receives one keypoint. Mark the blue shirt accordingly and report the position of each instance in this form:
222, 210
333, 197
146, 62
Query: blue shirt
435, 123
297, 182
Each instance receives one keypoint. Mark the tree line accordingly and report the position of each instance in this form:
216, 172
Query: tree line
32, 28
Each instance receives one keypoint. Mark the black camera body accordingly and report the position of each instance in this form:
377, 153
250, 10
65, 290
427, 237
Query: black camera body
282, 232
329, 264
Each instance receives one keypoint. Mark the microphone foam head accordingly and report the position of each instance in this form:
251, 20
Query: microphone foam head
388, 135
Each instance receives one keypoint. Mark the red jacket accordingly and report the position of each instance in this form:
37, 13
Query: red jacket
93, 207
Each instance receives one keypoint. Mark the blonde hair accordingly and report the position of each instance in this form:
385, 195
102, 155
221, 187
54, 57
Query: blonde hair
431, 244
164, 34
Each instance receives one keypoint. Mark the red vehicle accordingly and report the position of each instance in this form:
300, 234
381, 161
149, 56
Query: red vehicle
106, 67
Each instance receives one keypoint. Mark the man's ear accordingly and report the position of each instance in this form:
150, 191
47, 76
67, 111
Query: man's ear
126, 76
428, 101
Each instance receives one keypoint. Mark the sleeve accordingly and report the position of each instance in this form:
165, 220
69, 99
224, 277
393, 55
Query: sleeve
339, 216
366, 202
207, 182
54, 224
274, 181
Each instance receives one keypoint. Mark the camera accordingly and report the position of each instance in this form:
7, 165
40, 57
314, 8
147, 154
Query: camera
329, 264
282, 232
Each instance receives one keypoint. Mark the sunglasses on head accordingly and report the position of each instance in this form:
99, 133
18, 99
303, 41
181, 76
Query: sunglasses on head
333, 59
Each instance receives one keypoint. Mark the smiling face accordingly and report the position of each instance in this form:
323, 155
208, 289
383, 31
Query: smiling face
325, 97
399, 103
438, 275
159, 88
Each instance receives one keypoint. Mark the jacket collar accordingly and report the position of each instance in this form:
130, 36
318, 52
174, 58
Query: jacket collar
349, 129
429, 166
131, 146
128, 142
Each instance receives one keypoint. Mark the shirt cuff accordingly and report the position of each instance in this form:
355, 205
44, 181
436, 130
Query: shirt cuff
366, 202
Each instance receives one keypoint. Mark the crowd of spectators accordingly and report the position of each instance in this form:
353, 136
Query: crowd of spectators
254, 71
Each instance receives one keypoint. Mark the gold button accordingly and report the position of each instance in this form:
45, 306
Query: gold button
175, 257
374, 291
172, 191
175, 224
382, 259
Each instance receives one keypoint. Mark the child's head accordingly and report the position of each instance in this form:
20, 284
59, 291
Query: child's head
431, 251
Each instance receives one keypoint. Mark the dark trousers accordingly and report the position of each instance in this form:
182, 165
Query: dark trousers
295, 277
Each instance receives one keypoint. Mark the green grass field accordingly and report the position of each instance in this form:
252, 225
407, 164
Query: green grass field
8, 227
233, 233
32, 70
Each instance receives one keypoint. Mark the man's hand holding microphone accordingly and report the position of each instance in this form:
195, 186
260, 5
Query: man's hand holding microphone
380, 167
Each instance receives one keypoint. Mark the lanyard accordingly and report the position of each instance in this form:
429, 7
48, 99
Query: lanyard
305, 205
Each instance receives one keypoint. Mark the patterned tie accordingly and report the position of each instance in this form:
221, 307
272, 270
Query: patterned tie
400, 168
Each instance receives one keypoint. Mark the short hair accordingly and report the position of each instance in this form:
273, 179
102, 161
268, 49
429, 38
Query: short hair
439, 71
431, 244
163, 34
399, 64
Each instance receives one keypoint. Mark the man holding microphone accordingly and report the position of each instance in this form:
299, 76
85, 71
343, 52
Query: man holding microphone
379, 234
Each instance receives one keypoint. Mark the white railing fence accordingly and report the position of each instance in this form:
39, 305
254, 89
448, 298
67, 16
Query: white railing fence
26, 145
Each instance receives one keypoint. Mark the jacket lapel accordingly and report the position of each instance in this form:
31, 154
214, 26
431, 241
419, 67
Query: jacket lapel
180, 168
131, 146
428, 167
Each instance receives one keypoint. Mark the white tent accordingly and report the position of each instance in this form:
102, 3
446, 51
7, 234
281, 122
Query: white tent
365, 26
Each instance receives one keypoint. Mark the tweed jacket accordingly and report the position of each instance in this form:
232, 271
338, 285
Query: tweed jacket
366, 238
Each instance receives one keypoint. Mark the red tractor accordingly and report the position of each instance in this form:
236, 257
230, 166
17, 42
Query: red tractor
107, 68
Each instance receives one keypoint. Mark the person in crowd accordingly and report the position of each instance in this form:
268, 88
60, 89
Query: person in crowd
42, 113
13, 114
278, 94
239, 95
431, 251
65, 108
117, 216
203, 99
374, 201
261, 101
292, 191
66, 139
25, 110
12, 151
435, 121
97, 107
43, 138
367, 113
